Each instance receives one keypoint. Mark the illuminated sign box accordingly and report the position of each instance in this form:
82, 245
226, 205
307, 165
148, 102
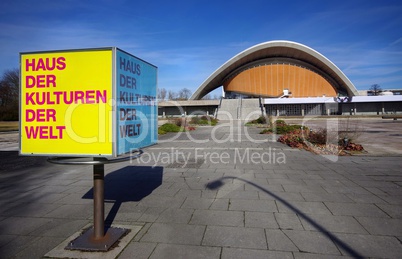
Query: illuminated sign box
88, 102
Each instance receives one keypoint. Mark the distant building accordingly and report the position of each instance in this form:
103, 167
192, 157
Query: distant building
283, 78
270, 68
383, 92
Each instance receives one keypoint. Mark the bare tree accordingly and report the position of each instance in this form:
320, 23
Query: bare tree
207, 97
184, 94
375, 89
161, 94
216, 97
9, 89
171, 95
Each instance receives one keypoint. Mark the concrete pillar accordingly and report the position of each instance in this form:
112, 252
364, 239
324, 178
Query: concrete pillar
355, 110
382, 108
302, 109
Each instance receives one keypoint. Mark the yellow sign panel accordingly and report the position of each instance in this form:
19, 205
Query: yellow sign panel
66, 102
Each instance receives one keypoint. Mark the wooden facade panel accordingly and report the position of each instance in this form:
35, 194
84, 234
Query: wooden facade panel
271, 80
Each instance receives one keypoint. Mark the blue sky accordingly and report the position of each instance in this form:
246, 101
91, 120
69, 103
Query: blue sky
189, 40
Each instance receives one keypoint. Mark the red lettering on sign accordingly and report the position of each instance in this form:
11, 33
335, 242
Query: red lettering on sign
47, 64
40, 115
44, 132
40, 81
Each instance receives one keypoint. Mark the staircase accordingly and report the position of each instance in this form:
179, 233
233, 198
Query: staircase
239, 109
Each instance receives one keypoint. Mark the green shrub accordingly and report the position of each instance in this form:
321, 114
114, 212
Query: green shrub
259, 120
161, 132
170, 127
280, 127
280, 123
266, 131
287, 128
204, 120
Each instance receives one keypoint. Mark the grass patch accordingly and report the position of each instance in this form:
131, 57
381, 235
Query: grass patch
9, 126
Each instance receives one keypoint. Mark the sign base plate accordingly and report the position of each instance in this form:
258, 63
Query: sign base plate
87, 242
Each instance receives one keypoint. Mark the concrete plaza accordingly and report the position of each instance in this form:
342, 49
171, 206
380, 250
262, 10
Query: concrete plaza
216, 192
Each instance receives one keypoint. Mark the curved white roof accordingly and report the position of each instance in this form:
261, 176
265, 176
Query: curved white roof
276, 49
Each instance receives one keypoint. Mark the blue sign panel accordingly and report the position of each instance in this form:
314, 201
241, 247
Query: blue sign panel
136, 86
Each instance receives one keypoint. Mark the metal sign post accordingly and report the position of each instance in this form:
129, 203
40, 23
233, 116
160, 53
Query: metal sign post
96, 238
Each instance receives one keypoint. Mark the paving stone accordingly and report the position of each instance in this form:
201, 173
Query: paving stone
330, 223
165, 192
227, 187
381, 226
18, 209
21, 225
235, 237
393, 211
218, 218
253, 205
208, 194
151, 214
172, 233
260, 220
60, 227
137, 250
312, 242
4, 239
175, 216
392, 199
308, 207
265, 188
237, 194
185, 251
278, 241
220, 204
372, 246
285, 181
365, 198
288, 221
70, 211
16, 245
188, 193
197, 203
278, 196
346, 189
336, 197
318, 256
355, 209
302, 188
40, 247
165, 202
239, 253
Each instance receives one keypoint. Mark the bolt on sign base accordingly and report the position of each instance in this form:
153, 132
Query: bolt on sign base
87, 241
